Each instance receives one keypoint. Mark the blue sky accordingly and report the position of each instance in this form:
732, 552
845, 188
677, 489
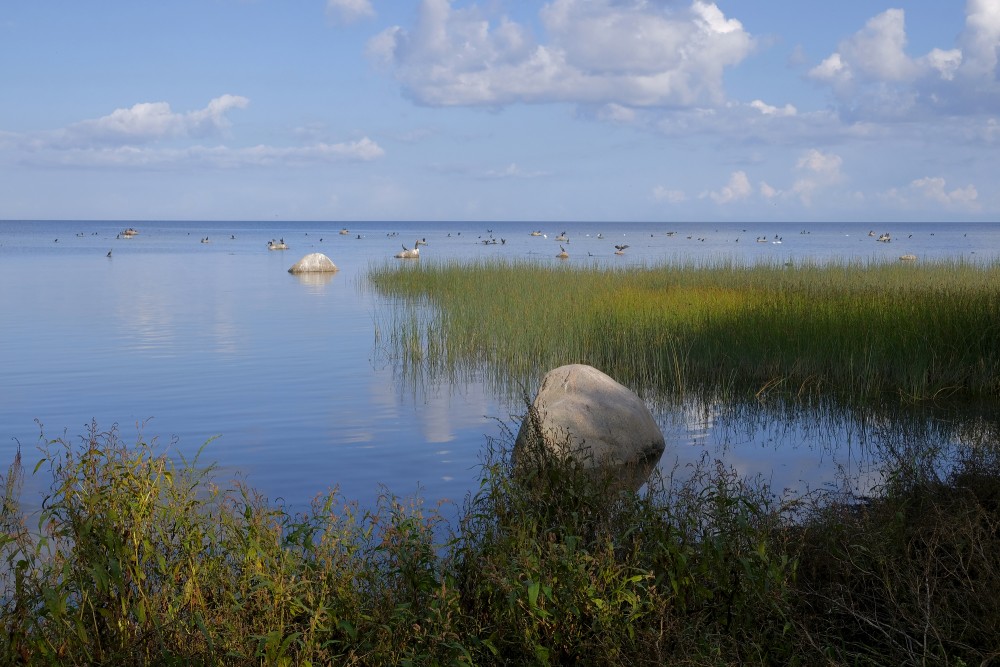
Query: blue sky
604, 110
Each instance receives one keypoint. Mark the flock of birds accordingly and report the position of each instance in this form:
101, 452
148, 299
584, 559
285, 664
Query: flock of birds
491, 239
414, 252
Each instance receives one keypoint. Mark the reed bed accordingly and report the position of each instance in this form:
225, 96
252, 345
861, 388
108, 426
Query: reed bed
858, 331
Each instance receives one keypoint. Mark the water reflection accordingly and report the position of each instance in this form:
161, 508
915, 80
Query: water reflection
446, 408
316, 280
216, 338
793, 446
800, 448
146, 324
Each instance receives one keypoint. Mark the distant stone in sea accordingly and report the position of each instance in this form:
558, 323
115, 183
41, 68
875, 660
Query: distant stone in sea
582, 413
315, 262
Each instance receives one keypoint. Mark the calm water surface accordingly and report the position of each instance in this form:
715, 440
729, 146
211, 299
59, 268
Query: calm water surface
287, 376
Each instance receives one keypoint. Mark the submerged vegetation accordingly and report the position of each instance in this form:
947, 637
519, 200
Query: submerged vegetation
137, 559
855, 331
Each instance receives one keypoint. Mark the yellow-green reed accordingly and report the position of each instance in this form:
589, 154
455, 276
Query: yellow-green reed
857, 330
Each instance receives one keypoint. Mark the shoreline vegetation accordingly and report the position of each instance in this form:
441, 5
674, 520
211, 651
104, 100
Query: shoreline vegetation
139, 556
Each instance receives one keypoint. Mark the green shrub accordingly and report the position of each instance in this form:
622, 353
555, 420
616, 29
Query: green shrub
136, 558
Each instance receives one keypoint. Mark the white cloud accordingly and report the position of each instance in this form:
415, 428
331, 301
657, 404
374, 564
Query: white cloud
768, 110
826, 165
768, 192
624, 52
874, 53
933, 188
738, 188
363, 150
148, 122
820, 170
349, 11
878, 50
873, 76
127, 137
832, 69
945, 63
981, 38
661, 193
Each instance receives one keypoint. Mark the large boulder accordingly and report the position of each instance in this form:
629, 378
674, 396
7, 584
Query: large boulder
315, 262
582, 413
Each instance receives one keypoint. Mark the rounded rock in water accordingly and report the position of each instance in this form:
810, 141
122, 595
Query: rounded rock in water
582, 413
315, 262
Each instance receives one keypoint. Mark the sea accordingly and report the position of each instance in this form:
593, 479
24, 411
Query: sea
195, 336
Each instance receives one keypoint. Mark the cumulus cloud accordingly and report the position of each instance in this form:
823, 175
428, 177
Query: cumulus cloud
768, 110
933, 189
826, 165
349, 11
832, 70
981, 38
148, 135
622, 52
148, 122
872, 74
818, 170
877, 52
738, 188
945, 63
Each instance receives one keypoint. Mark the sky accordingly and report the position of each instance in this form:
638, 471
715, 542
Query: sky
492, 110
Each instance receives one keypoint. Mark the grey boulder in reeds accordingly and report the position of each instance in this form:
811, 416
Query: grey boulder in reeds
584, 414
315, 262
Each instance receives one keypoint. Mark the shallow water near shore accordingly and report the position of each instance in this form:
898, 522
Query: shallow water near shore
290, 377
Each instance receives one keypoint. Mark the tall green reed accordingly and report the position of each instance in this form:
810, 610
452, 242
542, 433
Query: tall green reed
860, 331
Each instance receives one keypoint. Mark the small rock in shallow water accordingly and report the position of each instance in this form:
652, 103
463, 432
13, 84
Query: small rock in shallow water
315, 262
